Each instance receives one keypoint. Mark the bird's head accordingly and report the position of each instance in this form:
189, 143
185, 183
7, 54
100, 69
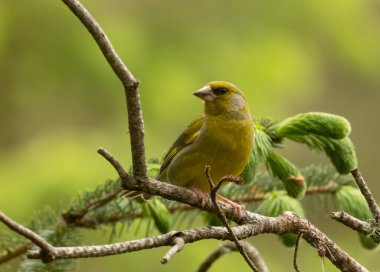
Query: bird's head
223, 98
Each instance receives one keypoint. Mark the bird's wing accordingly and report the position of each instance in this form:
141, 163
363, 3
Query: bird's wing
187, 137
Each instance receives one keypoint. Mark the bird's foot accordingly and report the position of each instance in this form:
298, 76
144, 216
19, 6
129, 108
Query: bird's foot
202, 195
239, 209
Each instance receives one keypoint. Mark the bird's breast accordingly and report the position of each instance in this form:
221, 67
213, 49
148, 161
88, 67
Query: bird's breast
229, 137
225, 145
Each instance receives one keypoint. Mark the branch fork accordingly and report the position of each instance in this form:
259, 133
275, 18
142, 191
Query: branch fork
178, 244
370, 227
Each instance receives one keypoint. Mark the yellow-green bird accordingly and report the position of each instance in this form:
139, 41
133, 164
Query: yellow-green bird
222, 138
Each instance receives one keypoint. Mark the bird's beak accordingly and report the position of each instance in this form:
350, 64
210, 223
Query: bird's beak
205, 94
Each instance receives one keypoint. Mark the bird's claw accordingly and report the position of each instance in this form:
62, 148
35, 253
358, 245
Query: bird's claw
239, 209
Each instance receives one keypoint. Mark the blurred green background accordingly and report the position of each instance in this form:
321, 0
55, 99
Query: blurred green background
60, 101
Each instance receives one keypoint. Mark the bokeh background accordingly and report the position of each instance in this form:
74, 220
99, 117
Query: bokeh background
60, 101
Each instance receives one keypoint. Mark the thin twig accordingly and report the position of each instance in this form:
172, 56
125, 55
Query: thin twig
47, 249
178, 244
130, 83
14, 252
296, 252
215, 255
114, 162
370, 227
374, 208
350, 221
255, 256
228, 247
222, 216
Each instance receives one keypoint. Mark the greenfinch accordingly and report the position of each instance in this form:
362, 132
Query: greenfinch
222, 138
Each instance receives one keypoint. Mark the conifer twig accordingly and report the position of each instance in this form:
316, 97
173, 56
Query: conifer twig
75, 217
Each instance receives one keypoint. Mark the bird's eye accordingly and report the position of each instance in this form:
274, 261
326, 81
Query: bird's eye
220, 91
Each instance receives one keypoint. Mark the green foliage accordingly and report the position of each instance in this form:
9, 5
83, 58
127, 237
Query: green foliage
49, 225
324, 132
353, 202
367, 242
277, 202
159, 213
320, 131
262, 144
38, 266
211, 219
288, 173
153, 167
321, 175
316, 123
9, 241
85, 202
155, 208
342, 154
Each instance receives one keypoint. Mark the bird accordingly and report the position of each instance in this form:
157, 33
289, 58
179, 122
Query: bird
222, 138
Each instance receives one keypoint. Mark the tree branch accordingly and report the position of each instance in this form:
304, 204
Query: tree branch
130, 83
285, 223
248, 198
370, 227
